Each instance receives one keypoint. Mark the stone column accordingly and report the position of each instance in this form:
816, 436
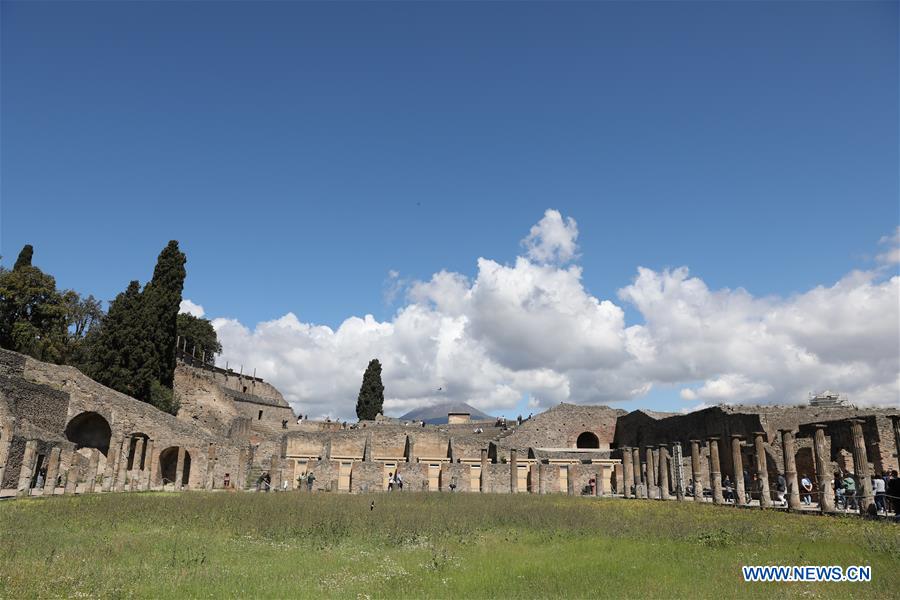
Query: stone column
696, 477
6, 436
738, 462
150, 465
534, 474
715, 471
513, 471
275, 473
790, 468
484, 469
52, 471
663, 473
676, 463
122, 472
861, 465
93, 464
627, 471
240, 477
210, 482
112, 462
570, 481
72, 475
824, 475
136, 470
762, 470
411, 445
640, 488
651, 474
27, 470
894, 419
600, 478
179, 469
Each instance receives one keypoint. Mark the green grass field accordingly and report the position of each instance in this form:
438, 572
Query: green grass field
422, 545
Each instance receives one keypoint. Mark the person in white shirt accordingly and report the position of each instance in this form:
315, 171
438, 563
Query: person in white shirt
879, 488
807, 486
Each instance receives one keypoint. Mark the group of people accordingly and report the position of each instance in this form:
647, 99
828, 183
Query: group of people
395, 481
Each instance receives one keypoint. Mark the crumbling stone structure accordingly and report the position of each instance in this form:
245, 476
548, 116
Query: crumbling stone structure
63, 433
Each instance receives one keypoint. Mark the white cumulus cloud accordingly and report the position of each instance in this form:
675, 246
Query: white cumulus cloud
191, 308
531, 329
553, 239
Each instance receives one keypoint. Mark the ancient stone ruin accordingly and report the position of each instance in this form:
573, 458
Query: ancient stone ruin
63, 433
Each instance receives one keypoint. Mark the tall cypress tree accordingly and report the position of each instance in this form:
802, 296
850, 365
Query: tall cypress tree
123, 356
24, 259
134, 350
162, 299
370, 401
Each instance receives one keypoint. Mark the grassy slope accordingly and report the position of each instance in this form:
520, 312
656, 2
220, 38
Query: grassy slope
433, 545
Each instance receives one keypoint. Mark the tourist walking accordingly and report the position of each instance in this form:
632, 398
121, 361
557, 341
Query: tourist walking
390, 482
310, 479
399, 481
729, 489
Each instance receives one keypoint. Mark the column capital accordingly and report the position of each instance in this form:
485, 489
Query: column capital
820, 425
856, 420
737, 436
786, 430
713, 438
762, 433
694, 441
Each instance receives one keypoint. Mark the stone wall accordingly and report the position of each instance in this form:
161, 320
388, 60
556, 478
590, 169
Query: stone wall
560, 427
415, 477
459, 474
495, 478
367, 477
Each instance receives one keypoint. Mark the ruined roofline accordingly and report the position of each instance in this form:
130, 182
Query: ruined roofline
187, 360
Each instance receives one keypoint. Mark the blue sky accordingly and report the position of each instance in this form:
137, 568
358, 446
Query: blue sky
302, 151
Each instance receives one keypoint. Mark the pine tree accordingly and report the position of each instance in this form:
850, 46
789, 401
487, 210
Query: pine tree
370, 401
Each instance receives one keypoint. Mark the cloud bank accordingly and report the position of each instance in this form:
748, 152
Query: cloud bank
530, 329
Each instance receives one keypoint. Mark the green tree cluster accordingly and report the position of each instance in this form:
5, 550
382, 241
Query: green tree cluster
198, 338
38, 320
131, 349
134, 350
370, 401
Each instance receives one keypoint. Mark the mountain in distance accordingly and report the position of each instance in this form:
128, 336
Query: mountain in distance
436, 414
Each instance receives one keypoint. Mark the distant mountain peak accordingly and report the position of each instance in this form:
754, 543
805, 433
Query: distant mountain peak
436, 414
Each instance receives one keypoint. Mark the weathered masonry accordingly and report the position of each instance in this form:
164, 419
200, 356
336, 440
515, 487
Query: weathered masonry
63, 433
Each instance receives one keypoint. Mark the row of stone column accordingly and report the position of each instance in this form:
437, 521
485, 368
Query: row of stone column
655, 482
115, 477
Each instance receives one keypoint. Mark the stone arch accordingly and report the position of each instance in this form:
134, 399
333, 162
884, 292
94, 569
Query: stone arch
168, 465
89, 430
587, 439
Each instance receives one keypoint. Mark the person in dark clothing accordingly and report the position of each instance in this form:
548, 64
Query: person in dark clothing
893, 492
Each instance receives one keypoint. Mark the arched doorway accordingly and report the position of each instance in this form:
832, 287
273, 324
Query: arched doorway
89, 430
587, 440
168, 465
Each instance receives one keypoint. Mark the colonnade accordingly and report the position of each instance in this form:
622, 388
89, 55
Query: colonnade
650, 479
